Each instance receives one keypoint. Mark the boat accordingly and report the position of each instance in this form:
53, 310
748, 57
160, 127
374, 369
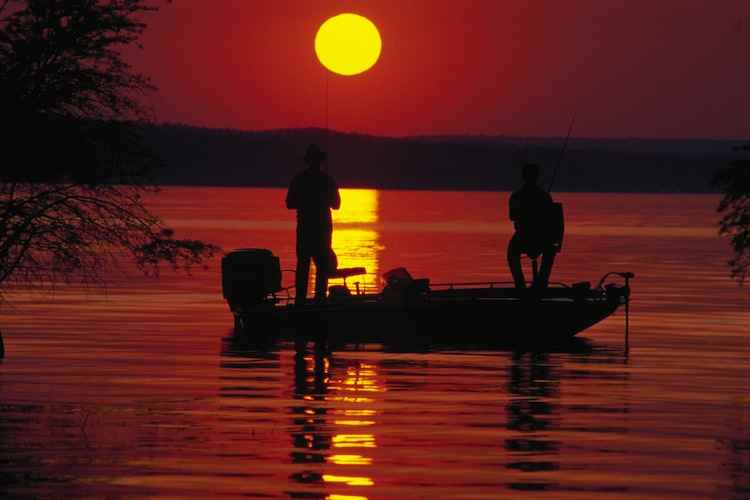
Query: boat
413, 309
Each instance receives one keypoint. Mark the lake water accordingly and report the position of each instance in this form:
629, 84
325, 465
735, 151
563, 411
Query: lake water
140, 389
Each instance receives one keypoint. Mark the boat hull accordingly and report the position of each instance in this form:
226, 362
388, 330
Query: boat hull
499, 315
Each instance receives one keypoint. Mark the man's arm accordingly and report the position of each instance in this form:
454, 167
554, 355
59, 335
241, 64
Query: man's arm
513, 208
335, 197
292, 196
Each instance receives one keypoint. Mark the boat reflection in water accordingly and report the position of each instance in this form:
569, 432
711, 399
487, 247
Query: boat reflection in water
339, 444
533, 386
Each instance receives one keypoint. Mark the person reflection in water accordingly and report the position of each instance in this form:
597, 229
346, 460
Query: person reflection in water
313, 193
530, 210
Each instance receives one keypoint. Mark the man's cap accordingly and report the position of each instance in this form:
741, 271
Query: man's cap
314, 154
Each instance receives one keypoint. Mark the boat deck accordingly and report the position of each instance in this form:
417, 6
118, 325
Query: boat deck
482, 310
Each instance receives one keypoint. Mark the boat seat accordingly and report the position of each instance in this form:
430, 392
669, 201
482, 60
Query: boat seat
347, 272
343, 273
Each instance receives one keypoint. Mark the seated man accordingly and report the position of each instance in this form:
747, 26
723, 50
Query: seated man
530, 210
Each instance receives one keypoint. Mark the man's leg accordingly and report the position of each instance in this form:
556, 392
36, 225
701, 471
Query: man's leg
514, 261
303, 274
548, 259
322, 263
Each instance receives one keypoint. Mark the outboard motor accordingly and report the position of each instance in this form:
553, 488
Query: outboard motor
249, 277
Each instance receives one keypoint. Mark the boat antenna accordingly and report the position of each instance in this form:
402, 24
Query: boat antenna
562, 153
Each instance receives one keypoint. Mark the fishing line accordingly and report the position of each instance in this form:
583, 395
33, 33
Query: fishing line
562, 153
327, 133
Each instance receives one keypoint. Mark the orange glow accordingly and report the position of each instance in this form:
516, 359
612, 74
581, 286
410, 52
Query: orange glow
355, 237
349, 480
355, 377
358, 206
350, 460
354, 441
361, 377
457, 67
348, 399
359, 413
354, 423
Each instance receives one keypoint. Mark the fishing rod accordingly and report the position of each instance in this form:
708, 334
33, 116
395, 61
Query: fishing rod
562, 153
326, 146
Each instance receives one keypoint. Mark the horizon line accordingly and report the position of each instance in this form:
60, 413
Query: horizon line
457, 135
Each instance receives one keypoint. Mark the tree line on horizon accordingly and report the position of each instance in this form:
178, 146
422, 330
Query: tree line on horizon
225, 157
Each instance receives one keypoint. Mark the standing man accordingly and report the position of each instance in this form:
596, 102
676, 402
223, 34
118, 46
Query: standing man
313, 193
532, 213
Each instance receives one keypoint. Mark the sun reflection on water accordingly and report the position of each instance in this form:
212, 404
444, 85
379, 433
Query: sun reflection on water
349, 480
350, 460
334, 425
355, 237
354, 441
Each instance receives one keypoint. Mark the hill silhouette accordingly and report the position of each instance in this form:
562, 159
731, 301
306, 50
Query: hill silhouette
224, 157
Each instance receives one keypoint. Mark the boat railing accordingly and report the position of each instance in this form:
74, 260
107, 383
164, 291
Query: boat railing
285, 295
486, 284
627, 276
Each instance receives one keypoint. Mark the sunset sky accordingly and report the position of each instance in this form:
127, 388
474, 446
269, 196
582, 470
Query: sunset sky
666, 68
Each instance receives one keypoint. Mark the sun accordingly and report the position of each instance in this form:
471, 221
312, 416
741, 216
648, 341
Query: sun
348, 44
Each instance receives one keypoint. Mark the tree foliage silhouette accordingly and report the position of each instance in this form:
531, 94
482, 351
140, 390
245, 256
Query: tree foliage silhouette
74, 167
734, 182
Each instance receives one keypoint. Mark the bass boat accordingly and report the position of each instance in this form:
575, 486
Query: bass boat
408, 308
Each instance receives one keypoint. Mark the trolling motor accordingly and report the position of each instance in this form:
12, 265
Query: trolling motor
624, 298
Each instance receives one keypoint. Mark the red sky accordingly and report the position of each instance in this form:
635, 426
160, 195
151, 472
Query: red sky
645, 68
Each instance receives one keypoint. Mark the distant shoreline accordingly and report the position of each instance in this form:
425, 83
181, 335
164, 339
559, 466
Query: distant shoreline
445, 190
197, 156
